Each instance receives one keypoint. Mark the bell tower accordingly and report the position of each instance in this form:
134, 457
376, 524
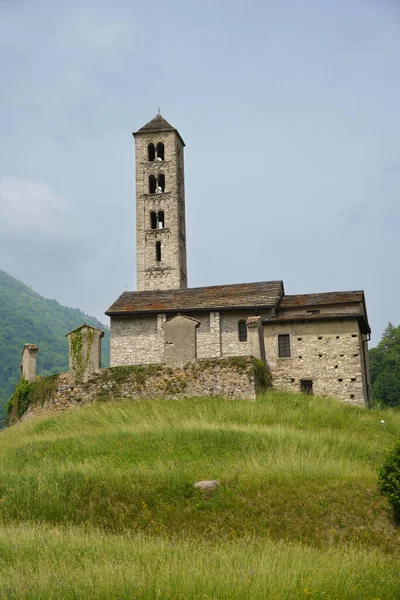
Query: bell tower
160, 207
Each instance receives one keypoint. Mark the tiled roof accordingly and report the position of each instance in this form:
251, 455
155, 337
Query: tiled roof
264, 294
156, 124
319, 299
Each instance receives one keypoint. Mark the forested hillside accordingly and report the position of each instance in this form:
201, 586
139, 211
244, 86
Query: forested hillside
27, 317
384, 362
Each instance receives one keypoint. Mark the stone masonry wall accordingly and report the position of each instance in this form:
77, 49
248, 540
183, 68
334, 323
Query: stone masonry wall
328, 353
139, 339
236, 378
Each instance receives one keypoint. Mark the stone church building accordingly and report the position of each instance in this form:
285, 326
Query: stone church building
314, 343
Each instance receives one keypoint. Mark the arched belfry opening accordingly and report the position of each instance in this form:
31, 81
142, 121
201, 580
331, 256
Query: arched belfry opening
151, 153
161, 183
160, 218
152, 184
160, 151
153, 220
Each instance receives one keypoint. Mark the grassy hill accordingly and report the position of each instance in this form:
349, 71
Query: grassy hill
27, 317
99, 502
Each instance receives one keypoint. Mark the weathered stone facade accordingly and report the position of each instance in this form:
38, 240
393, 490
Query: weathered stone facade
236, 378
160, 207
329, 354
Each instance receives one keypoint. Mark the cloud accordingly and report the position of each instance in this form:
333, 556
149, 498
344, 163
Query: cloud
28, 206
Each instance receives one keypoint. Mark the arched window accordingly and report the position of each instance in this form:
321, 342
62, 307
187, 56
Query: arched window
153, 220
152, 184
161, 183
160, 219
242, 331
158, 251
151, 152
160, 151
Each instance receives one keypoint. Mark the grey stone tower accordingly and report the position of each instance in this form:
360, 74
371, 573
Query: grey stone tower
160, 207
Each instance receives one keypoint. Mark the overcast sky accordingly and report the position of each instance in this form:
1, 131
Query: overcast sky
291, 116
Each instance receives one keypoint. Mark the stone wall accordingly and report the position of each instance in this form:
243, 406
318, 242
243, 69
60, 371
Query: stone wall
137, 340
329, 353
235, 377
140, 339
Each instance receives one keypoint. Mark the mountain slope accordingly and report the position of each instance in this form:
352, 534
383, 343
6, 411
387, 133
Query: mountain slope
27, 317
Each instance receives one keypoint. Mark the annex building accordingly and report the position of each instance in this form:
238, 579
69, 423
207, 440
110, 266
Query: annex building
314, 343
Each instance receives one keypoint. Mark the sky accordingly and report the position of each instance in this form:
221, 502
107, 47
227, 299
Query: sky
290, 115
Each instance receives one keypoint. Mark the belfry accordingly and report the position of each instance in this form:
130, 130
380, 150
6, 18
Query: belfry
160, 207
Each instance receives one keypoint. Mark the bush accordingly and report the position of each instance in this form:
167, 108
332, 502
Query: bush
389, 478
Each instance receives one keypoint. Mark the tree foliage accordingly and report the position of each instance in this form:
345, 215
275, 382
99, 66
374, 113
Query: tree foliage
384, 363
27, 317
389, 478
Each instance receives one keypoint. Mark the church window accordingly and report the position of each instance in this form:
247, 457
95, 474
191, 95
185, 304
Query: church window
158, 251
161, 219
160, 151
151, 152
153, 220
242, 331
161, 183
284, 345
152, 184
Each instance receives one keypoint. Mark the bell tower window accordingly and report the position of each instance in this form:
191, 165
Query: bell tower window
152, 184
160, 219
160, 151
151, 153
153, 220
161, 183
158, 251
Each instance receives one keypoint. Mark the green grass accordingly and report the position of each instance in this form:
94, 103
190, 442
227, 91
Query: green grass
100, 501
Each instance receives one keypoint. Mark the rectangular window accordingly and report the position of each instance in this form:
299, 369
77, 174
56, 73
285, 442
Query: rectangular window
306, 386
284, 345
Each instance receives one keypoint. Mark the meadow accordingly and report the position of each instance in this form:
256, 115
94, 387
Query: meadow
99, 502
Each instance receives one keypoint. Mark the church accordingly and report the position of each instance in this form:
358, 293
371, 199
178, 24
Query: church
313, 343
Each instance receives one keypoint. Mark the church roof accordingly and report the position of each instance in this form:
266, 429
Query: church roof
265, 294
324, 298
157, 124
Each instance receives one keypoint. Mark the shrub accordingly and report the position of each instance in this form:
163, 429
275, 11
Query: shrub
389, 478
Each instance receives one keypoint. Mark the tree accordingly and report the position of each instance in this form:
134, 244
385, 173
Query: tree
385, 367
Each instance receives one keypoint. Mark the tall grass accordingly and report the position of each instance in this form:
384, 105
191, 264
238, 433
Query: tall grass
100, 501
73, 563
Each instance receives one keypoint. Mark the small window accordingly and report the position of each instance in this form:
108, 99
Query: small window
161, 183
160, 151
153, 220
242, 331
151, 152
314, 311
161, 219
284, 345
306, 386
152, 184
158, 251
